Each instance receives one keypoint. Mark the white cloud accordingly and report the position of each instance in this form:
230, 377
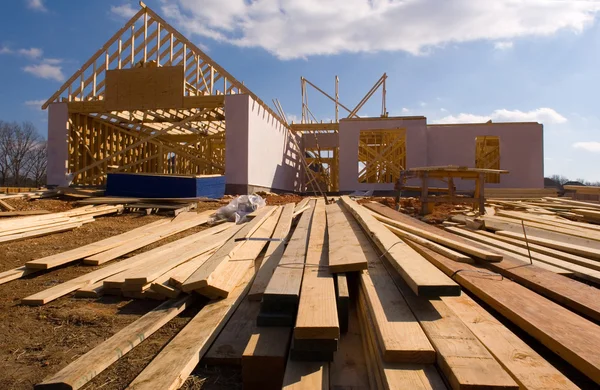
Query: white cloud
589, 146
503, 45
124, 11
5, 50
46, 71
300, 28
52, 61
405, 110
35, 103
37, 5
32, 53
543, 115
292, 118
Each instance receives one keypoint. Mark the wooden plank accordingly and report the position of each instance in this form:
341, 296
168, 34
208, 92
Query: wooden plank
16, 273
576, 231
393, 376
387, 215
399, 335
86, 367
348, 371
552, 221
91, 291
421, 276
343, 301
93, 248
183, 271
317, 310
579, 250
171, 367
227, 274
568, 292
306, 375
344, 248
522, 253
273, 254
442, 250
229, 346
463, 359
264, 358
42, 232
23, 213
6, 206
542, 249
527, 367
286, 280
572, 337
165, 231
199, 278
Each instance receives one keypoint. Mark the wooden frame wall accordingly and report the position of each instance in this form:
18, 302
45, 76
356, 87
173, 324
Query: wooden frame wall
381, 155
487, 156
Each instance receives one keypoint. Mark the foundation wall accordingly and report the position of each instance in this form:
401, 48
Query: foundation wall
521, 151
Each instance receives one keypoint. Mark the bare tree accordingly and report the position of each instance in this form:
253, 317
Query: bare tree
25, 137
559, 179
5, 144
36, 162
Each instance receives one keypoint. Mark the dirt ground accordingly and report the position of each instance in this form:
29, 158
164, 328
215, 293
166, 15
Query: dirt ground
36, 342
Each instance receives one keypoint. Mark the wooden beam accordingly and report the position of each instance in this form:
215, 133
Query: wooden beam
575, 249
422, 277
572, 337
273, 254
306, 375
176, 361
317, 310
264, 358
88, 366
314, 126
344, 245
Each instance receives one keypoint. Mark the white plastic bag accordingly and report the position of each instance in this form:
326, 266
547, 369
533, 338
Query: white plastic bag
238, 208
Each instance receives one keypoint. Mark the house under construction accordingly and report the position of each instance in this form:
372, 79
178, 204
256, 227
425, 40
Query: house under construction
150, 101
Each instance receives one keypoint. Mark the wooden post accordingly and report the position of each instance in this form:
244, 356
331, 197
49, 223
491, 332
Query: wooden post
480, 190
424, 193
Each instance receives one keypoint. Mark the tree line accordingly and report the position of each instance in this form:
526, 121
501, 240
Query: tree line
23, 155
562, 180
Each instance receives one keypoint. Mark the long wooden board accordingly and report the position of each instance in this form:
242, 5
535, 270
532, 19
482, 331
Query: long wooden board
227, 274
386, 215
273, 254
93, 248
463, 359
317, 310
287, 278
86, 367
570, 293
199, 278
580, 250
527, 367
264, 358
421, 276
171, 367
344, 248
569, 335
306, 375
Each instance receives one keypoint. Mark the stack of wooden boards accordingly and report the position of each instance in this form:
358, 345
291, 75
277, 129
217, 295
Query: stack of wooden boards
40, 225
519, 193
351, 297
168, 206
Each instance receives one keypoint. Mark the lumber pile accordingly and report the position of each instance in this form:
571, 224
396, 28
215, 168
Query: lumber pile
14, 229
342, 295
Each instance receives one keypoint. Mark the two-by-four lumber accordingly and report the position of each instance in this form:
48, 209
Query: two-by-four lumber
422, 277
199, 278
388, 215
542, 249
526, 366
580, 250
91, 291
177, 225
393, 376
229, 346
537, 258
317, 310
23, 213
284, 285
348, 370
86, 367
6, 206
583, 233
63, 227
552, 221
171, 367
344, 248
15, 273
273, 254
442, 250
93, 248
343, 300
227, 274
48, 295
461, 357
399, 335
306, 375
264, 358
569, 335
566, 291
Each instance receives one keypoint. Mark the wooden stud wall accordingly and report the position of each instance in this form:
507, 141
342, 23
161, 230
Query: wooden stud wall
328, 175
487, 156
381, 155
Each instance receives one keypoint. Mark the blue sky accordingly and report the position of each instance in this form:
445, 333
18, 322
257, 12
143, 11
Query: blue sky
450, 60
